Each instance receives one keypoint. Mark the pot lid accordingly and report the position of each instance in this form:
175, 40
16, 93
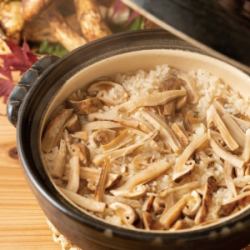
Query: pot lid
220, 27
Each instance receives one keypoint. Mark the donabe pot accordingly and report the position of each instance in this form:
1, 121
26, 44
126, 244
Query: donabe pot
51, 80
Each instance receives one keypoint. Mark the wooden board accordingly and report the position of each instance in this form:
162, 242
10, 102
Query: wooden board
22, 223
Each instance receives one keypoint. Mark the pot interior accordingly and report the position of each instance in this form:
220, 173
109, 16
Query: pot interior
147, 59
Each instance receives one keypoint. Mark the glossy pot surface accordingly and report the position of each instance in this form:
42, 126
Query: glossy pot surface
51, 80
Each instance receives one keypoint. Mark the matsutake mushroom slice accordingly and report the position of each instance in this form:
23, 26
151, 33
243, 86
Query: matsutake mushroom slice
103, 136
92, 175
189, 85
153, 171
210, 187
73, 124
182, 166
180, 189
109, 92
86, 203
74, 175
121, 152
58, 167
86, 106
171, 215
234, 129
151, 100
81, 151
109, 199
192, 205
183, 139
120, 140
101, 185
246, 151
240, 200
112, 115
182, 224
164, 129
54, 130
225, 155
90, 126
125, 212
214, 117
228, 178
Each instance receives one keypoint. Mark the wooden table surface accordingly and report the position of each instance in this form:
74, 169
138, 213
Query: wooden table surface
22, 223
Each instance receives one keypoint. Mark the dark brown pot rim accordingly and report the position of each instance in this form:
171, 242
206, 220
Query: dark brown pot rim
34, 106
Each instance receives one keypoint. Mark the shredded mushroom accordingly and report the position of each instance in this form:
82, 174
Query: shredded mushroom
126, 213
103, 89
210, 187
164, 129
171, 215
86, 203
74, 175
150, 173
233, 159
157, 150
153, 99
228, 178
54, 130
246, 151
182, 166
228, 207
213, 116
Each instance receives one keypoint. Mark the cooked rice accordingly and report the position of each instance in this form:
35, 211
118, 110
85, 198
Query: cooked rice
155, 146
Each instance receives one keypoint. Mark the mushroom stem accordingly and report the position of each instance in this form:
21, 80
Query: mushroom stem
102, 181
59, 162
180, 168
246, 150
233, 159
228, 207
213, 116
228, 178
185, 187
86, 203
180, 134
74, 175
172, 214
152, 172
235, 129
154, 99
54, 130
164, 129
210, 187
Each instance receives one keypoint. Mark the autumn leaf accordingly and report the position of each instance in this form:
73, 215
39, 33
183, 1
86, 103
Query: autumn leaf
20, 59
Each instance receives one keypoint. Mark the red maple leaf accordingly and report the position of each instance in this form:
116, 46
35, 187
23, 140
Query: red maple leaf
20, 59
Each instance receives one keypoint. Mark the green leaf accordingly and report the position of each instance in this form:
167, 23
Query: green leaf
137, 24
52, 49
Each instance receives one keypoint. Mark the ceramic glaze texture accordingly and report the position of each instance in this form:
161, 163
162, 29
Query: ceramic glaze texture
120, 53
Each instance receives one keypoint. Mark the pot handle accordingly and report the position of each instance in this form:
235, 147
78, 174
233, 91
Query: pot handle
27, 80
